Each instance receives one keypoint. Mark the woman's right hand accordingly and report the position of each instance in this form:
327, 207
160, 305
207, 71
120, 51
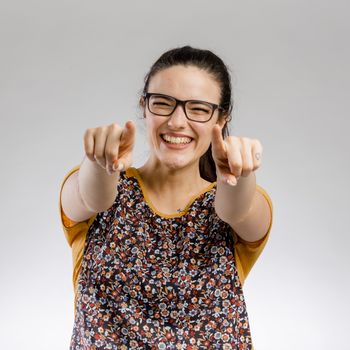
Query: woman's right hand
111, 146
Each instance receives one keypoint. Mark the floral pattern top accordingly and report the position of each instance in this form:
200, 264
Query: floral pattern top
145, 280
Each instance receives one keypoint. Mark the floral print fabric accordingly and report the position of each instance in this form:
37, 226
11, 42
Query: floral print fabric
150, 282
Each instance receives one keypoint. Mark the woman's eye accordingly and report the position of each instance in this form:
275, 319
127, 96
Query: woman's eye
200, 110
161, 103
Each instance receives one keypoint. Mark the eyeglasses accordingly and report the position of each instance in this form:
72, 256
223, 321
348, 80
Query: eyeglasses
195, 110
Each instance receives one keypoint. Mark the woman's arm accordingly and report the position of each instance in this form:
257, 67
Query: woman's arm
244, 208
93, 187
88, 191
238, 202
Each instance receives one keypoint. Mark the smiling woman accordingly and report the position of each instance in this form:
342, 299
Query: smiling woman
148, 275
183, 102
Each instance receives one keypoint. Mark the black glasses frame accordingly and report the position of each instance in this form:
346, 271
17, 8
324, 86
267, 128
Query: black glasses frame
182, 103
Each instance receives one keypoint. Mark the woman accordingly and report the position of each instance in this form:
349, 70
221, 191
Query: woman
161, 252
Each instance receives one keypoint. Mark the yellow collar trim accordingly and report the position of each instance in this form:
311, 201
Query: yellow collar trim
133, 172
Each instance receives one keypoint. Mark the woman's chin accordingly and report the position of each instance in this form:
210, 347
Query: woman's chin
175, 163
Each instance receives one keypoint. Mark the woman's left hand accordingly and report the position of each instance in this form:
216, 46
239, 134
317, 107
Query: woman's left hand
234, 156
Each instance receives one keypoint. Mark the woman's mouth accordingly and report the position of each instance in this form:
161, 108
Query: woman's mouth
176, 142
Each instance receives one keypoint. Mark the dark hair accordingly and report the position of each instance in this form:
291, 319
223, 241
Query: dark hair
208, 61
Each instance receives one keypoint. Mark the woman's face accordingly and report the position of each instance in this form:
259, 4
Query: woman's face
183, 83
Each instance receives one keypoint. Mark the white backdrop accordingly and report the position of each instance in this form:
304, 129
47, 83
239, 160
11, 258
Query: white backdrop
66, 66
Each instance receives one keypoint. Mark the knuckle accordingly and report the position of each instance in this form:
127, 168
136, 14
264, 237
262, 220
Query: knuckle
101, 129
98, 156
248, 168
90, 154
236, 165
245, 141
109, 153
114, 126
88, 132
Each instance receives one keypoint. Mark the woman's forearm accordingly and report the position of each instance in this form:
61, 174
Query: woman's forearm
232, 203
96, 187
88, 191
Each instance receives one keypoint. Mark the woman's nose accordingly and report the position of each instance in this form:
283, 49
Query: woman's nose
178, 117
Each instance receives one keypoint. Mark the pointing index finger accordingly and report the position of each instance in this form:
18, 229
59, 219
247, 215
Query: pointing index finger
218, 143
128, 134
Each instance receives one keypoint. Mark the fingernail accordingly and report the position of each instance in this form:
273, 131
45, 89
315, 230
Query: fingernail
120, 166
231, 182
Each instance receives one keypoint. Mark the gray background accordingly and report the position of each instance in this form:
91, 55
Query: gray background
66, 66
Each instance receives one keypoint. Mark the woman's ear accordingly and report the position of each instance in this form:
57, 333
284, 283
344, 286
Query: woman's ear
222, 121
142, 102
142, 105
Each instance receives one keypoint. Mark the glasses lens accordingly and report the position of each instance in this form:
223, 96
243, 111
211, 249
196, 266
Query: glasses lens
199, 111
161, 105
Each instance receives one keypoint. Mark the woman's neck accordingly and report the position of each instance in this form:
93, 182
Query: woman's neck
162, 180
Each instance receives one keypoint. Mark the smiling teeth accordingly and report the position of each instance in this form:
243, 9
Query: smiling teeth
178, 140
